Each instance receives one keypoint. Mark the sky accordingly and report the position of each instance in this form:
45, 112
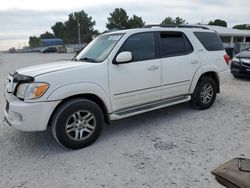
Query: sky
20, 19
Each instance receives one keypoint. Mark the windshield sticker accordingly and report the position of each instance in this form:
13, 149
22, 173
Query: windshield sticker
114, 37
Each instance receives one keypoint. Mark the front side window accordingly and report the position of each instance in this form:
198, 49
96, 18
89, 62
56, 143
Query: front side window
174, 43
141, 45
99, 48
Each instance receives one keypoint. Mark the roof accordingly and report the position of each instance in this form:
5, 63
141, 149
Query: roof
225, 31
222, 31
158, 28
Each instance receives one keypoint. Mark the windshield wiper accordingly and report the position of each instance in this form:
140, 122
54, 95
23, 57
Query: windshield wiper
88, 59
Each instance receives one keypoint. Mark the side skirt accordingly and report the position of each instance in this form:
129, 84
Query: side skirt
148, 107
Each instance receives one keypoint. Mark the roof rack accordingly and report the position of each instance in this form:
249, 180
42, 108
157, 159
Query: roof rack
176, 25
108, 31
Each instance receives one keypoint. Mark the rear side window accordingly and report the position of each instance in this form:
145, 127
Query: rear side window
210, 41
173, 44
141, 45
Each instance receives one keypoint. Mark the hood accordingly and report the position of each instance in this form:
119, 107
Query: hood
243, 54
51, 67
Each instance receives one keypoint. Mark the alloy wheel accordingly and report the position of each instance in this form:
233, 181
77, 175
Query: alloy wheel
80, 125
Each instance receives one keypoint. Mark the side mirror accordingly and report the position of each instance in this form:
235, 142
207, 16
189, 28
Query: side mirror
123, 57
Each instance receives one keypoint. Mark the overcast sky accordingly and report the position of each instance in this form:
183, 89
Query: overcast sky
20, 19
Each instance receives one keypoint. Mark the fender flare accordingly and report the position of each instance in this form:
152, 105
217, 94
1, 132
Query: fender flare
199, 73
73, 89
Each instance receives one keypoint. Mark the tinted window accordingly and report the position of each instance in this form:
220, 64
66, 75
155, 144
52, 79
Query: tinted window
210, 41
174, 43
142, 46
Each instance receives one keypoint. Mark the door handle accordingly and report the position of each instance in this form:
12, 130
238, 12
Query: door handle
194, 62
153, 67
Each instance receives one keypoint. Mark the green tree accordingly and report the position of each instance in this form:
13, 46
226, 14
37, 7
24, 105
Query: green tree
218, 22
170, 20
47, 35
242, 26
135, 22
34, 41
179, 20
86, 27
59, 30
118, 19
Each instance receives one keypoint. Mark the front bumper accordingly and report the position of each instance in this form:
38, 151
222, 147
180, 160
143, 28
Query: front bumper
28, 116
239, 70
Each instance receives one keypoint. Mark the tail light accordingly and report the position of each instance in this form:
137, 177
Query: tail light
227, 59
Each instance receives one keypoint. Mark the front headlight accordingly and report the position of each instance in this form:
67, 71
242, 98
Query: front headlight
21, 90
31, 90
235, 59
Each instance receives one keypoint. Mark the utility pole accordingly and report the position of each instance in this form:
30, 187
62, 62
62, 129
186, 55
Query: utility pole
79, 33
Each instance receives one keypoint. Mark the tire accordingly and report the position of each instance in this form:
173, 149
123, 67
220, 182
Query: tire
236, 76
77, 123
204, 94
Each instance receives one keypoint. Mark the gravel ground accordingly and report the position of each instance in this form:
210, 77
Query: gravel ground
171, 147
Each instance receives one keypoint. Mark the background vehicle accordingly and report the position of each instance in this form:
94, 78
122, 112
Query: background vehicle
240, 64
49, 50
118, 74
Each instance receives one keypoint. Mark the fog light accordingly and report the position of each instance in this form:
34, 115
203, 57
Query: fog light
16, 117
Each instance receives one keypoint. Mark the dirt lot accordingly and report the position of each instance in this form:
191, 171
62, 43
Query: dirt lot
172, 147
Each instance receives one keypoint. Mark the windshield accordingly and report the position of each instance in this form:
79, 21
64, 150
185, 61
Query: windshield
99, 48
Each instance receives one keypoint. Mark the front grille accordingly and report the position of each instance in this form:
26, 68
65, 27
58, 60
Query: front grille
9, 84
246, 64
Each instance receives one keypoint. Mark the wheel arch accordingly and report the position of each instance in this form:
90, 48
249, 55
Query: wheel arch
214, 76
92, 97
208, 73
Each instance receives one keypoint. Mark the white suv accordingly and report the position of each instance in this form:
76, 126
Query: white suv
118, 74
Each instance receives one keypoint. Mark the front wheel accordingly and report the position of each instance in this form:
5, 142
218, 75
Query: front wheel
236, 76
204, 94
77, 123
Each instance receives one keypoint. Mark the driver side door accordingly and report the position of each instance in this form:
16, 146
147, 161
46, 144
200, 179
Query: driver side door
139, 81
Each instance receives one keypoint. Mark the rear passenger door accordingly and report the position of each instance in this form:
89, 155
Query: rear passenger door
179, 63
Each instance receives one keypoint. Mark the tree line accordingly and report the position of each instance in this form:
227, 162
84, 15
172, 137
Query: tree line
118, 19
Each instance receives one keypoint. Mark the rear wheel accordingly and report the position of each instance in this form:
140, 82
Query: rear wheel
77, 123
204, 94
